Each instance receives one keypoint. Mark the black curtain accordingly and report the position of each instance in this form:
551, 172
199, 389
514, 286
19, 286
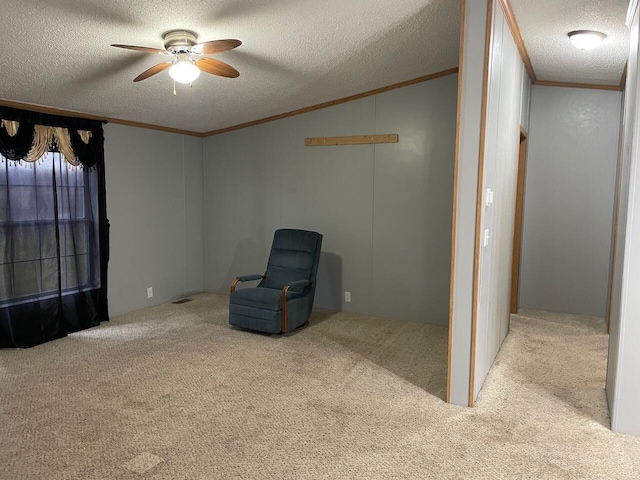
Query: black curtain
54, 232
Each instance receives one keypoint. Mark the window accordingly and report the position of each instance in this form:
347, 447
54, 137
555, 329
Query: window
46, 211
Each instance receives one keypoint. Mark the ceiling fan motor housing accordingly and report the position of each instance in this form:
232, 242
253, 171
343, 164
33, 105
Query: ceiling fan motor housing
179, 41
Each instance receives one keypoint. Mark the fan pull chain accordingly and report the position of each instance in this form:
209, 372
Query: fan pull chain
174, 87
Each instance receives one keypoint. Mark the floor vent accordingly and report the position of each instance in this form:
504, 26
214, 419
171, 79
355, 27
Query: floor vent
184, 300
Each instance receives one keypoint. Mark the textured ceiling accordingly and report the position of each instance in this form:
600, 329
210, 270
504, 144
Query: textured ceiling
544, 25
295, 53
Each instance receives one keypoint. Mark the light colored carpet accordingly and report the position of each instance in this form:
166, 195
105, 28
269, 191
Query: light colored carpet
172, 392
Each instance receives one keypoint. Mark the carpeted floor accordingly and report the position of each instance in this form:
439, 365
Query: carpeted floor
172, 392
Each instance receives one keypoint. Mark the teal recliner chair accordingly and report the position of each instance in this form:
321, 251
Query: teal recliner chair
283, 299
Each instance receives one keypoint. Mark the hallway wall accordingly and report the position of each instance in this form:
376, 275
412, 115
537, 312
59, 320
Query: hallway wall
569, 199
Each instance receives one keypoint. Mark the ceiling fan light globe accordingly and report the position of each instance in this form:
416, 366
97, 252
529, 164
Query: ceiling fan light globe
586, 39
184, 72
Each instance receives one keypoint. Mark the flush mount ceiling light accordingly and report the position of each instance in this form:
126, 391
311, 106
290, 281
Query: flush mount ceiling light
586, 39
184, 70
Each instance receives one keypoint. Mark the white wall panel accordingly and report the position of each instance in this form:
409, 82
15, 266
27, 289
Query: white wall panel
500, 171
623, 387
526, 99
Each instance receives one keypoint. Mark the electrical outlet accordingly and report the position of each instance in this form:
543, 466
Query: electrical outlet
149, 292
347, 297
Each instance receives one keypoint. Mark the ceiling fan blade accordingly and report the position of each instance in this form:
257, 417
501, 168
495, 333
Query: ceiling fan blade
141, 49
215, 46
152, 71
216, 67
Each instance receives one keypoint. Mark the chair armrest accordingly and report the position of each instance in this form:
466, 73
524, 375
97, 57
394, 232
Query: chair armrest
297, 283
283, 299
248, 278
245, 278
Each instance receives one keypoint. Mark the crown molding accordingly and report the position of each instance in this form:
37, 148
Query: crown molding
545, 83
71, 113
331, 103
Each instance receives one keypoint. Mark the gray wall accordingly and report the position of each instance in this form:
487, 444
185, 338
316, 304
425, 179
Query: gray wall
155, 207
623, 371
384, 210
569, 200
472, 68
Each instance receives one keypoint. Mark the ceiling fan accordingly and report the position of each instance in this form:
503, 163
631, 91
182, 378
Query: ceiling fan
188, 57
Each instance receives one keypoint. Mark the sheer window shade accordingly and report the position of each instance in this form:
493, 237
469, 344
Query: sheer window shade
32, 197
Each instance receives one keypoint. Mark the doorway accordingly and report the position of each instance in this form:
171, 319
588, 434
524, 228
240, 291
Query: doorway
519, 214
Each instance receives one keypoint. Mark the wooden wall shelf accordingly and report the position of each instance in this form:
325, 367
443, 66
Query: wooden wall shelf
354, 140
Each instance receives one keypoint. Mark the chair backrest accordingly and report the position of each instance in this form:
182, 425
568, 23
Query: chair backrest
294, 256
